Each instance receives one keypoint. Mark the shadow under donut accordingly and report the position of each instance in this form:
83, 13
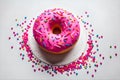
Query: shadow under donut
52, 58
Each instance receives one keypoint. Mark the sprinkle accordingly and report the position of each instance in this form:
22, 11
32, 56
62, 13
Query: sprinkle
38, 69
22, 58
95, 70
97, 49
103, 58
44, 44
67, 45
102, 37
87, 15
25, 17
110, 46
76, 74
97, 35
110, 57
85, 12
34, 70
115, 47
91, 26
115, 54
99, 55
17, 24
11, 28
100, 63
11, 47
9, 38
87, 72
32, 65
68, 23
92, 75
65, 40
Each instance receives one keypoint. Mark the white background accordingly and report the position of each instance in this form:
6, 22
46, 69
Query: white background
105, 16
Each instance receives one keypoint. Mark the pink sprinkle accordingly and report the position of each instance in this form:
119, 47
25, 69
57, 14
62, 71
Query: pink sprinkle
42, 70
49, 72
100, 63
87, 23
32, 65
20, 54
34, 70
11, 47
92, 75
115, 46
38, 69
22, 58
30, 20
115, 54
103, 58
100, 55
52, 74
87, 72
95, 70
33, 18
95, 41
9, 38
85, 12
24, 21
11, 28
102, 37
91, 30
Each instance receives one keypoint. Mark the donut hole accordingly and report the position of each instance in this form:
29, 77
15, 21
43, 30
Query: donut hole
56, 29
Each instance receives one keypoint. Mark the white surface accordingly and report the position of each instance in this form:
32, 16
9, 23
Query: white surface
105, 16
63, 59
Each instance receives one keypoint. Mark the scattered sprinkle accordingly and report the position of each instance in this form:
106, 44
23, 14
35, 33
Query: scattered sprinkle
84, 62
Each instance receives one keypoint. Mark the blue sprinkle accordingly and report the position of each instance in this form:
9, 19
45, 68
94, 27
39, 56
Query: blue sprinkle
76, 74
35, 63
44, 44
55, 71
16, 33
23, 55
17, 24
69, 29
25, 17
80, 66
17, 38
67, 44
84, 22
90, 25
97, 49
87, 15
65, 40
97, 35
68, 23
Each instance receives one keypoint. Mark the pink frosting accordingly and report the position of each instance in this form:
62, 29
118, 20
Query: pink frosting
43, 26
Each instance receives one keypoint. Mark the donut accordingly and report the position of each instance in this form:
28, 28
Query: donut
56, 31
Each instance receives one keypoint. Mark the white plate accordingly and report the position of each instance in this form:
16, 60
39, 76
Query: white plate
59, 59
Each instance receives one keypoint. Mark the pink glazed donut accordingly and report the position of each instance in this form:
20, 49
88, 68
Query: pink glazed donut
56, 31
